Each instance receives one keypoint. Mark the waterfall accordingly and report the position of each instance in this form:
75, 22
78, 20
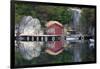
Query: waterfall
75, 18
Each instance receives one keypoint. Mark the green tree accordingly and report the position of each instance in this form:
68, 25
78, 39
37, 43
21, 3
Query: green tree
87, 20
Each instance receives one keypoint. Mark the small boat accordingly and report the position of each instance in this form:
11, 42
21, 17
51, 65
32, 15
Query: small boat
91, 40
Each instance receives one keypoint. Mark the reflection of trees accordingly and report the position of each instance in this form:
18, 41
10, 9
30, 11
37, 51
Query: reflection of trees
87, 53
76, 50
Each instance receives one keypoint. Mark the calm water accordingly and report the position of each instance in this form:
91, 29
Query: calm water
82, 51
73, 52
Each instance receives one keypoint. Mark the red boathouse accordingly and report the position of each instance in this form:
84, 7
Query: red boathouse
54, 28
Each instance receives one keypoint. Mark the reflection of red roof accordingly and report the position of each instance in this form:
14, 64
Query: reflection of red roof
56, 46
